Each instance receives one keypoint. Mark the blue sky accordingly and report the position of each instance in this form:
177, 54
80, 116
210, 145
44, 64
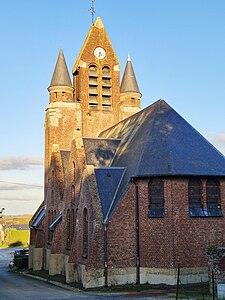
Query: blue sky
178, 54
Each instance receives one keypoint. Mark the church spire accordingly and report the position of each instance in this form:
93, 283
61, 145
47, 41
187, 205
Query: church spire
98, 23
61, 75
129, 82
60, 88
129, 92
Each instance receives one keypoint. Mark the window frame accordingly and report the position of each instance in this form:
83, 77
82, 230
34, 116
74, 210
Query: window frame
156, 201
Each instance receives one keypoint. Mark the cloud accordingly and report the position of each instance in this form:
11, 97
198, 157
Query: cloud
20, 162
218, 140
27, 198
15, 186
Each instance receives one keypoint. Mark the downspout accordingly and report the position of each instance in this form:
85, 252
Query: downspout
137, 234
105, 255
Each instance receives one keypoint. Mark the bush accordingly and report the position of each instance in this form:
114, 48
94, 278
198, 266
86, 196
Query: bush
21, 259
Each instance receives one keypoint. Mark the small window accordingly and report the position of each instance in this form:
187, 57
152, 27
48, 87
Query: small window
85, 233
72, 223
74, 171
156, 198
52, 198
72, 194
52, 179
213, 198
68, 231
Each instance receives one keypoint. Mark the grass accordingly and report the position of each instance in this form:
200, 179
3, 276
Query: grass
44, 274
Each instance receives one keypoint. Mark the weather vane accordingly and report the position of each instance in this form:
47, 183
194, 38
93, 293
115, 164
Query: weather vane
92, 10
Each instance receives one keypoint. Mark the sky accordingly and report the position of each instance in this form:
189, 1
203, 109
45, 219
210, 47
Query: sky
177, 49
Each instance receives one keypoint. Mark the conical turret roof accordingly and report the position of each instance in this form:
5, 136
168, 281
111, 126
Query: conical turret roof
129, 82
61, 75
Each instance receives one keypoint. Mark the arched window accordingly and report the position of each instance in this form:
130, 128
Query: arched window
74, 171
72, 223
72, 194
93, 87
106, 88
49, 223
156, 198
52, 178
52, 198
85, 233
68, 230
213, 197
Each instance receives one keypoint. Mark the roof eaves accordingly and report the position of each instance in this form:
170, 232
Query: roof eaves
113, 201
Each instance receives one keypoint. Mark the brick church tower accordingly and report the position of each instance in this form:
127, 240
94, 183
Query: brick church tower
96, 78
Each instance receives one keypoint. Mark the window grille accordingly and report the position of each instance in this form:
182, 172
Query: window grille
195, 197
213, 198
156, 198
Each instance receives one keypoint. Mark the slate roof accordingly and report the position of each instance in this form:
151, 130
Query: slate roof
129, 82
100, 152
157, 141
61, 75
108, 180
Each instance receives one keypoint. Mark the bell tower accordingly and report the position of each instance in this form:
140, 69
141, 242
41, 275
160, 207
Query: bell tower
96, 78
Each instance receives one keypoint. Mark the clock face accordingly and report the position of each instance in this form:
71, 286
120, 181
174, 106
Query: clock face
99, 53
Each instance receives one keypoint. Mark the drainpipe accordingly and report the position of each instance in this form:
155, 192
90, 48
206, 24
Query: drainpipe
137, 234
105, 255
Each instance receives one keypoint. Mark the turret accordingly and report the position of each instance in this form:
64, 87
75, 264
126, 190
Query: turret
129, 92
60, 88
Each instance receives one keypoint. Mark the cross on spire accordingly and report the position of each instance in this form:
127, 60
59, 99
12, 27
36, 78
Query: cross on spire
92, 10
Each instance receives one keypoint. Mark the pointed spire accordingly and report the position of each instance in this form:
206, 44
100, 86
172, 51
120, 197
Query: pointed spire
129, 82
61, 75
98, 23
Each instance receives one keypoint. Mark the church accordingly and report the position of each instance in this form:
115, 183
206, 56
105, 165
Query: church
129, 194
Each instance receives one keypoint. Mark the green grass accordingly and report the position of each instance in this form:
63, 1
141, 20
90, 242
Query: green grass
44, 274
16, 238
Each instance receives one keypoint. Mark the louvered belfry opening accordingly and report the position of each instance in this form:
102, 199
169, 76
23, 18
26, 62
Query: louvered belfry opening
93, 87
106, 88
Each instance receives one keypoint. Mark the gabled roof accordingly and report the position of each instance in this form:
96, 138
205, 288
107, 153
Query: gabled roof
96, 37
100, 152
129, 82
61, 75
157, 141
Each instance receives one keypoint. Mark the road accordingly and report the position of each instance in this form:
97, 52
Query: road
14, 286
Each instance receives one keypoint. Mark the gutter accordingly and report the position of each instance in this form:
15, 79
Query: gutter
137, 233
105, 255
